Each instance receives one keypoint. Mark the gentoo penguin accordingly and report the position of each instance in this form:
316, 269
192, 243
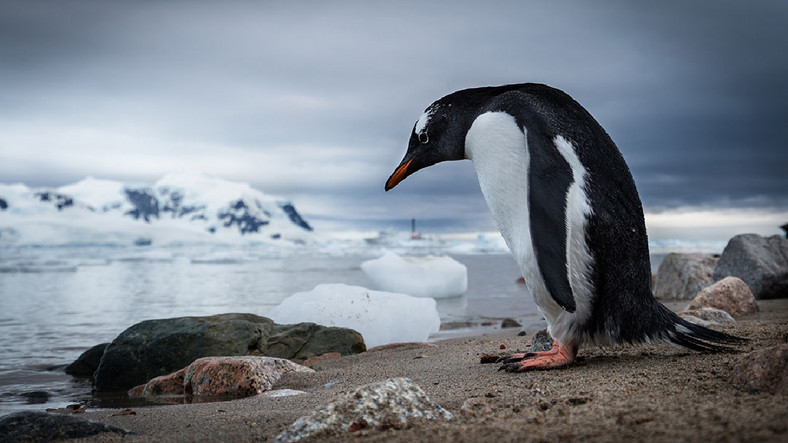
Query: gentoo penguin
566, 205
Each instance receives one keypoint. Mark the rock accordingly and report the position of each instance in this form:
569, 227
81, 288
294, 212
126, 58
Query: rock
475, 406
682, 276
510, 323
37, 397
393, 403
753, 259
220, 377
695, 320
729, 294
711, 315
87, 363
775, 287
158, 347
542, 341
321, 358
28, 426
765, 370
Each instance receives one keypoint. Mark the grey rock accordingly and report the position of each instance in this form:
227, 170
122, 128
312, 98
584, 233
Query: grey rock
542, 341
510, 323
393, 403
711, 315
682, 276
775, 287
158, 347
30, 426
695, 320
87, 363
754, 259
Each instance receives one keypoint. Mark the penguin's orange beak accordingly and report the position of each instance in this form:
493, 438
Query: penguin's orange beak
398, 175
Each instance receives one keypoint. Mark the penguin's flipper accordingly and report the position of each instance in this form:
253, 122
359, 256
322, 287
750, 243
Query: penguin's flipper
549, 179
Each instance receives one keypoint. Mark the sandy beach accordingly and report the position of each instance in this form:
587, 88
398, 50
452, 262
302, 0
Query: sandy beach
643, 393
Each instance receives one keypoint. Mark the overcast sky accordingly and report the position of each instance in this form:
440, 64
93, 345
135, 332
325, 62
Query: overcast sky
316, 100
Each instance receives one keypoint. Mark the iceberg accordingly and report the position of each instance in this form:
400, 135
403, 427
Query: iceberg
436, 277
380, 317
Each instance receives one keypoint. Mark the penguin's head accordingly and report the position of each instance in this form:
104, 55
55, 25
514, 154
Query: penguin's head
436, 137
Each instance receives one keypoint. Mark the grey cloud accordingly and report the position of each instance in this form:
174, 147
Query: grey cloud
692, 92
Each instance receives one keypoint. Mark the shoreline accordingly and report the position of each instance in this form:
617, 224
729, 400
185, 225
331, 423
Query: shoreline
647, 392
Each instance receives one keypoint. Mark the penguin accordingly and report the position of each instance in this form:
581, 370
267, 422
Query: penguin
566, 204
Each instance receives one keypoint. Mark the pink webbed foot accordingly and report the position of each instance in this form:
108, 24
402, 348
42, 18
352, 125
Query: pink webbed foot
558, 357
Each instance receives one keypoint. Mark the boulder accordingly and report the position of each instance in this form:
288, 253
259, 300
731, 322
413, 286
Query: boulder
775, 287
754, 259
393, 403
158, 347
235, 377
729, 294
87, 363
710, 315
682, 276
765, 370
28, 426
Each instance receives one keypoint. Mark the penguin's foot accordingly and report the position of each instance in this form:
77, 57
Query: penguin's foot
558, 357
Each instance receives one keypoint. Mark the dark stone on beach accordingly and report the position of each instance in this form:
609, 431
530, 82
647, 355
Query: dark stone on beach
764, 370
158, 347
36, 397
87, 363
682, 276
510, 323
754, 259
775, 287
29, 426
542, 341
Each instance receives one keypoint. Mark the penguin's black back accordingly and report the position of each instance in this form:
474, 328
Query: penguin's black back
624, 306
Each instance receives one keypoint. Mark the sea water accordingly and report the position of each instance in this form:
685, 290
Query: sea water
55, 303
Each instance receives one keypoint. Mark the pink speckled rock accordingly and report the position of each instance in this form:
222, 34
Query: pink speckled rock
764, 370
239, 376
730, 294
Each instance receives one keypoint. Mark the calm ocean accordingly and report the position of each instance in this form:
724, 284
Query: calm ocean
57, 302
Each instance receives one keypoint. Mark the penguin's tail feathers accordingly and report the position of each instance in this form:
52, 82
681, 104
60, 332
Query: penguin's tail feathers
698, 338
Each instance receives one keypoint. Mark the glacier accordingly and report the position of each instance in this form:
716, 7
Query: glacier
180, 208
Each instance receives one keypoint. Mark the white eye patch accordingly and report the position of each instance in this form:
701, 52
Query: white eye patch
423, 120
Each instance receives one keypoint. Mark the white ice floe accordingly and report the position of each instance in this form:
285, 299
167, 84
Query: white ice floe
436, 277
224, 257
380, 317
145, 255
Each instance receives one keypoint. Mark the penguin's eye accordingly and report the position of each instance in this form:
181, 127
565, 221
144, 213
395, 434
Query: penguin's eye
423, 137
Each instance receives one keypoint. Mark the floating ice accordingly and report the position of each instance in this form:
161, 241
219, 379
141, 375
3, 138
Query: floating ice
39, 266
380, 317
437, 277
227, 257
146, 255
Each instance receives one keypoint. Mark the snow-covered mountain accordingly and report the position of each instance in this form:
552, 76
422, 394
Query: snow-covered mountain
187, 207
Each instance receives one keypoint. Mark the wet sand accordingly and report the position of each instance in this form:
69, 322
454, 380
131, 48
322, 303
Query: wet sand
643, 393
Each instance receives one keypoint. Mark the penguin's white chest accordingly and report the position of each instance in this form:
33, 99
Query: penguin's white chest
499, 151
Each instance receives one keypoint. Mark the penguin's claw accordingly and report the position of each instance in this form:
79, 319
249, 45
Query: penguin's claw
512, 358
